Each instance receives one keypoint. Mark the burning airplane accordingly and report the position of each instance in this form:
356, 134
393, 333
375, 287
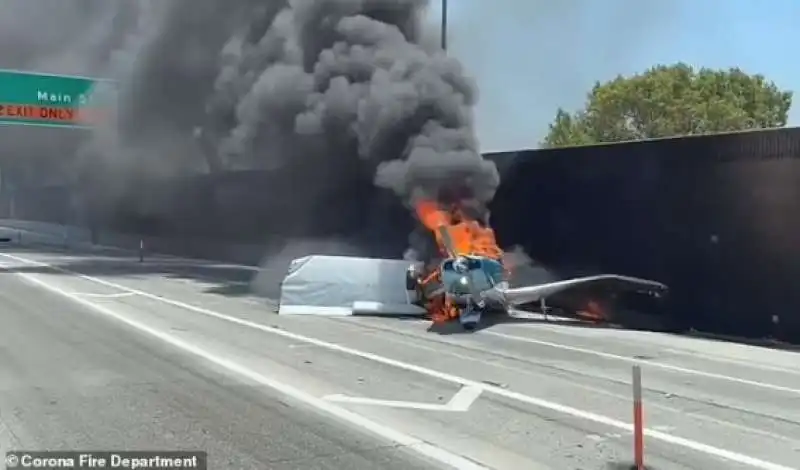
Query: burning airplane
467, 278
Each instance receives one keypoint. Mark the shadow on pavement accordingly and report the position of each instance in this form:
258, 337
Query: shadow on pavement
454, 328
626, 466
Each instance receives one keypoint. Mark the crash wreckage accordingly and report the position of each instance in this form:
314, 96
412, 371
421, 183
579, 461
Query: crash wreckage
464, 280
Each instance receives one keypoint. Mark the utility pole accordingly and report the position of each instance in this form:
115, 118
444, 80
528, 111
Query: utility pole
444, 25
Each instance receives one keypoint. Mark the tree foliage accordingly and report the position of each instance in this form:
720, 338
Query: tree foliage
669, 100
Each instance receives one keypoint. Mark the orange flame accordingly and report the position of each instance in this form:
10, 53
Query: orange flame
431, 216
593, 312
468, 236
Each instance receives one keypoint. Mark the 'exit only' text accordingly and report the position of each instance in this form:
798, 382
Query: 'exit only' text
43, 113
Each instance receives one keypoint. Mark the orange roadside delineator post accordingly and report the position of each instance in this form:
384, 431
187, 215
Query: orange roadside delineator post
638, 419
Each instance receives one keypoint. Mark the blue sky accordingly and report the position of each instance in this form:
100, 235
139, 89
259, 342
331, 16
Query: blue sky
532, 56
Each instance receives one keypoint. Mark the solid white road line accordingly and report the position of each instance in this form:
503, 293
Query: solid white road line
423, 448
682, 370
537, 402
104, 296
475, 357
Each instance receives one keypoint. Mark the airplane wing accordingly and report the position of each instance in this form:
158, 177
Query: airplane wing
613, 282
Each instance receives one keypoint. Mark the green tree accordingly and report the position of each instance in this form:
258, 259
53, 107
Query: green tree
669, 100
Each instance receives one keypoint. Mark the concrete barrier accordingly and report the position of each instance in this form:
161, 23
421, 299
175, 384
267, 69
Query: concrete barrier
33, 232
22, 231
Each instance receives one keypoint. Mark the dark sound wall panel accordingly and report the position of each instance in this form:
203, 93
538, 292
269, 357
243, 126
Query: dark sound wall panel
714, 217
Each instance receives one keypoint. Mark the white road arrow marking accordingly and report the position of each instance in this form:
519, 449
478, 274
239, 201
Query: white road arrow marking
461, 401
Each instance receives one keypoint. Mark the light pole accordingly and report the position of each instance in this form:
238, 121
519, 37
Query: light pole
444, 25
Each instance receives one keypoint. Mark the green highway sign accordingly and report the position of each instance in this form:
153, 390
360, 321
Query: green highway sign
38, 99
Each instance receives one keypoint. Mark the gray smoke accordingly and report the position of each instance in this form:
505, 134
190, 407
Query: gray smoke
326, 86
328, 79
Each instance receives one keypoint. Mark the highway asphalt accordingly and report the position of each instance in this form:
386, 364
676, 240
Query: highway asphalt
99, 351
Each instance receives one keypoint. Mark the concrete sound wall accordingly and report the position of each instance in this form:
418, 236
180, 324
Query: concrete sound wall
208, 216
714, 217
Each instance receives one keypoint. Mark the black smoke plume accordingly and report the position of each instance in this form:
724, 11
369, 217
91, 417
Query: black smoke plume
329, 87
328, 79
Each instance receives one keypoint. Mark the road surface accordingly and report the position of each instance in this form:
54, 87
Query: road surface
99, 351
